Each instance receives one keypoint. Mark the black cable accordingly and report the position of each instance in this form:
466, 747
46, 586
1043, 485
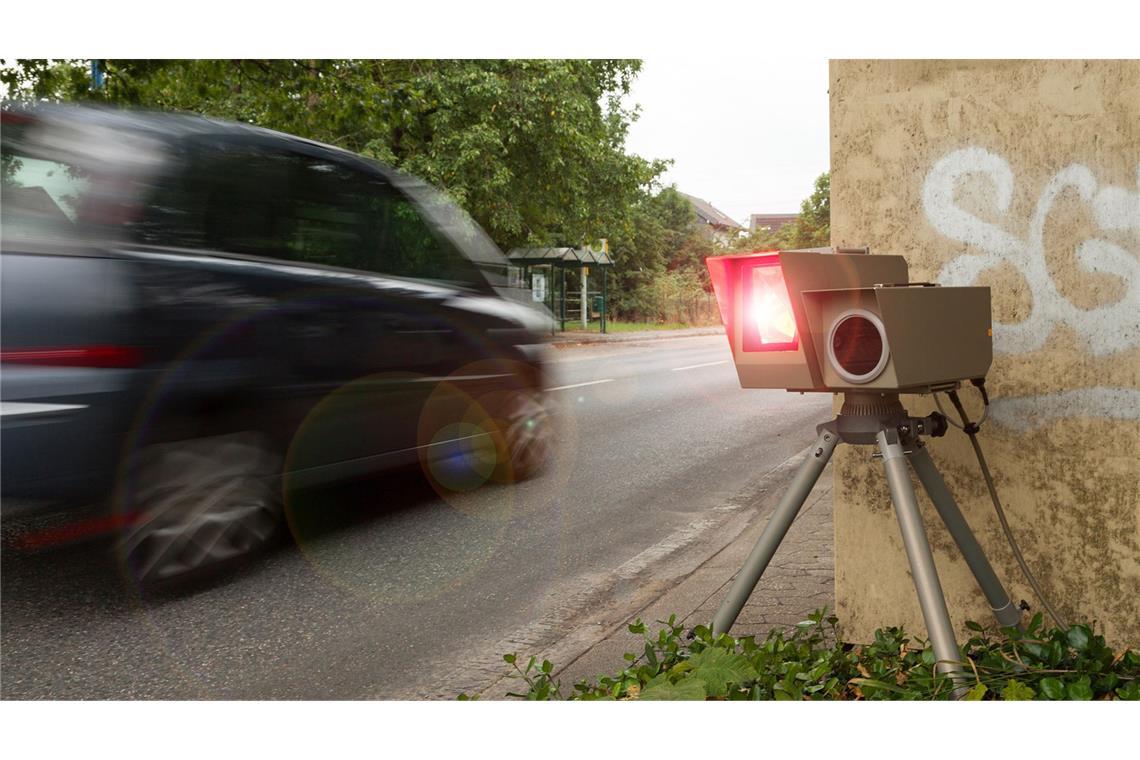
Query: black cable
985, 409
972, 431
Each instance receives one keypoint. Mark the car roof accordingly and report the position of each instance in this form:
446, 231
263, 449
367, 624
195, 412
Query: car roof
167, 126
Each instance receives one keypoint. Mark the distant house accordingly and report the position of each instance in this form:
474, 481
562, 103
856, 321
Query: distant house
719, 225
770, 222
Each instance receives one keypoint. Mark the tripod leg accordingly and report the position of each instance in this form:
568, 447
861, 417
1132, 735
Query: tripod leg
926, 583
1005, 611
774, 532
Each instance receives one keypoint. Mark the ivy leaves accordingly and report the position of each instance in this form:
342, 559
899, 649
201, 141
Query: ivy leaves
811, 663
662, 688
717, 669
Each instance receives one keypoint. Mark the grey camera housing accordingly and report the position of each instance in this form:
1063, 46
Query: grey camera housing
930, 337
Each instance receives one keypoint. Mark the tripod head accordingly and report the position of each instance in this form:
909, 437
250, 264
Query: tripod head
864, 415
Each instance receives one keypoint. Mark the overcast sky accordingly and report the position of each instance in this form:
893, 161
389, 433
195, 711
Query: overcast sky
748, 135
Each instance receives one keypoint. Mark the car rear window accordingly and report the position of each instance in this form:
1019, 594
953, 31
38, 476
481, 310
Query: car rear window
67, 179
40, 199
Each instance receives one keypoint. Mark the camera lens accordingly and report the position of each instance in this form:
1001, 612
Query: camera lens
857, 347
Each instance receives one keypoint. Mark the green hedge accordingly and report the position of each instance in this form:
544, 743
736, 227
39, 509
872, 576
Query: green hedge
810, 663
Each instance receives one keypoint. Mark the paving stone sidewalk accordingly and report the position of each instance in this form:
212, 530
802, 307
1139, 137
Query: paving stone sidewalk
799, 580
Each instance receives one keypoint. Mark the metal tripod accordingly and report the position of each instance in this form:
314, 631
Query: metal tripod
868, 419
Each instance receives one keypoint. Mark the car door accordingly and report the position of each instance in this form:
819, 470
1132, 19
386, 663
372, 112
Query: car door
460, 358
257, 253
413, 364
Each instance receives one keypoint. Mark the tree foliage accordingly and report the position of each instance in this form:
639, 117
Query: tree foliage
533, 149
659, 262
813, 227
660, 270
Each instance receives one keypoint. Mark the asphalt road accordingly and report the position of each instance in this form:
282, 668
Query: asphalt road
391, 591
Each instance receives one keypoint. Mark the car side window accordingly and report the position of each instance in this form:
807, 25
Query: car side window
327, 215
221, 198
408, 247
300, 208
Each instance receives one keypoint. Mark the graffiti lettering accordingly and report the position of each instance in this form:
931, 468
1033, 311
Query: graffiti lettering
1104, 330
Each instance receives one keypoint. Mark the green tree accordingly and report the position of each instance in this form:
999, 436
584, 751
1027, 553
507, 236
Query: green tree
659, 262
533, 149
813, 227
765, 240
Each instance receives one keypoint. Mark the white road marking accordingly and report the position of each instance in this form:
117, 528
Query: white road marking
455, 378
580, 385
697, 366
677, 539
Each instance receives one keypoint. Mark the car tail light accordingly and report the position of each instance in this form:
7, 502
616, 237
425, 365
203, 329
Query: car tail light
102, 357
11, 118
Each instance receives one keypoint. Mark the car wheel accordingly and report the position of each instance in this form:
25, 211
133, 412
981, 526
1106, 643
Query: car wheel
199, 505
525, 436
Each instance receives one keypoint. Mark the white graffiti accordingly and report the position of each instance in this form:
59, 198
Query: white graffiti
1028, 412
1105, 329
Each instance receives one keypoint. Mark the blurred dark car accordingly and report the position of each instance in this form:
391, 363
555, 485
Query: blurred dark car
198, 316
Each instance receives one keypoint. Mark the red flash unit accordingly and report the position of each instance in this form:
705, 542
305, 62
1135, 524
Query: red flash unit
769, 322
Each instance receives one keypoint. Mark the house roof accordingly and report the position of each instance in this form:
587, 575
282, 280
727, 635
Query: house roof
711, 214
33, 201
771, 220
560, 256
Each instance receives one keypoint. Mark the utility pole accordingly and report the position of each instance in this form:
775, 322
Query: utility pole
605, 298
585, 298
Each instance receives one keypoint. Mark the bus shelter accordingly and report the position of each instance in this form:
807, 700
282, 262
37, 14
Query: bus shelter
544, 272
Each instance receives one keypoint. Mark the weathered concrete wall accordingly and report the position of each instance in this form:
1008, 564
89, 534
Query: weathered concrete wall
1023, 176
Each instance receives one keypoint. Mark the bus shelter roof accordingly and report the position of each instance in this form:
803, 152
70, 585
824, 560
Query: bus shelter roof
564, 257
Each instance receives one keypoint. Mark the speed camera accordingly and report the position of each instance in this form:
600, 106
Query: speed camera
852, 323
830, 321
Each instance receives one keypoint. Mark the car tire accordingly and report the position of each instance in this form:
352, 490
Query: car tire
524, 436
198, 506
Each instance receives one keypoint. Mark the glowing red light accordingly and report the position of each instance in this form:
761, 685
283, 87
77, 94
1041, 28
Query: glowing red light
769, 322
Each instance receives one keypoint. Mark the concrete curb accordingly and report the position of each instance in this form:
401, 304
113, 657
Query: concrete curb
571, 340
